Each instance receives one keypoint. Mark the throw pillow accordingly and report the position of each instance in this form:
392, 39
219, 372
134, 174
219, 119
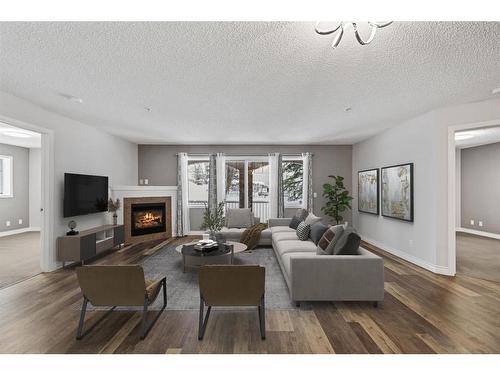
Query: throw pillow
294, 223
312, 219
317, 231
303, 230
348, 243
239, 218
301, 214
327, 242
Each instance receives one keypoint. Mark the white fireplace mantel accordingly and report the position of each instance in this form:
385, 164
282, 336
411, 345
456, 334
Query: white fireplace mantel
122, 191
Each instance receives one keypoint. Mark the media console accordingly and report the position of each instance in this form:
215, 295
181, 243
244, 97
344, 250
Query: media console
89, 243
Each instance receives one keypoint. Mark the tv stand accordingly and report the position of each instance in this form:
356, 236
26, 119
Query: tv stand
89, 243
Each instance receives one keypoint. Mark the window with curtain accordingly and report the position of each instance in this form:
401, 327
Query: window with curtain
198, 176
293, 180
6, 176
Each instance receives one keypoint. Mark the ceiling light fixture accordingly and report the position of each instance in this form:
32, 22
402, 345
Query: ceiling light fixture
341, 26
72, 98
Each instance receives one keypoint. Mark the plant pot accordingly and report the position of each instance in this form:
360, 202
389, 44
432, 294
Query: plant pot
115, 219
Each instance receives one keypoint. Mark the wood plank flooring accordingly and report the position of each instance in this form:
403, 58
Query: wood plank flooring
422, 313
19, 257
478, 256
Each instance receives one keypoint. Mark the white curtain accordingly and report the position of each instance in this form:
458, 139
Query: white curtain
274, 161
307, 194
220, 163
182, 195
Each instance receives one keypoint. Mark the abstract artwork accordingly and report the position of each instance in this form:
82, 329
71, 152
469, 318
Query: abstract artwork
368, 191
397, 191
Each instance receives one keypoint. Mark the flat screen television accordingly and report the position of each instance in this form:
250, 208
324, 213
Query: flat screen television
84, 194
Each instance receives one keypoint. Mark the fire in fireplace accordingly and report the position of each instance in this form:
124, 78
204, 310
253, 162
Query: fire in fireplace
148, 218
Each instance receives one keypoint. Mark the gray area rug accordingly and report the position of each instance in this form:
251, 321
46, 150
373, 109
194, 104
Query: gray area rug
182, 288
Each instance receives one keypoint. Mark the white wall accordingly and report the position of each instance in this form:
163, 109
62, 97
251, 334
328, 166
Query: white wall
35, 187
423, 141
78, 148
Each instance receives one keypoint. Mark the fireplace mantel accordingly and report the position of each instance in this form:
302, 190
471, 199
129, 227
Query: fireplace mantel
145, 191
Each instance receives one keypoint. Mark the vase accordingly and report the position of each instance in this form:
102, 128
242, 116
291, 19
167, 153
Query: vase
115, 219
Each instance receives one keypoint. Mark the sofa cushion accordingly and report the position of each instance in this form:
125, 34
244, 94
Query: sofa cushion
294, 223
280, 228
312, 219
294, 246
348, 243
239, 218
285, 236
303, 231
329, 239
317, 231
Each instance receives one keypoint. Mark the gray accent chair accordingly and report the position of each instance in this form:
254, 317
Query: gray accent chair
313, 277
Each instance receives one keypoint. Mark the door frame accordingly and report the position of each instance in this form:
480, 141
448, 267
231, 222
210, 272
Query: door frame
47, 251
452, 188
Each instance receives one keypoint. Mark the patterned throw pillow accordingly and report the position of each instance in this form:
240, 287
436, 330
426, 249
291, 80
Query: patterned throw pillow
327, 243
348, 243
303, 231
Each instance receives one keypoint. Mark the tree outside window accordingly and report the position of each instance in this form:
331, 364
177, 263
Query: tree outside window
198, 176
293, 178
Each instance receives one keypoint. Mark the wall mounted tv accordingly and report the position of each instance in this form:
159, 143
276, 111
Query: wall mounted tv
84, 194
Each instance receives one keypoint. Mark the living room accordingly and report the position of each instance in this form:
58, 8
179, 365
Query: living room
254, 187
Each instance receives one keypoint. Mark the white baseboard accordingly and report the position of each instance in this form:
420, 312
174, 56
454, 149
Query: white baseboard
479, 233
410, 258
19, 231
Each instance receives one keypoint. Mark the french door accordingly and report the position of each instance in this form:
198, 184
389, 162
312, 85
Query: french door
247, 185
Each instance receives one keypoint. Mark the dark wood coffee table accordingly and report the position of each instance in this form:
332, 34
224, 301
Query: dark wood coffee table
195, 258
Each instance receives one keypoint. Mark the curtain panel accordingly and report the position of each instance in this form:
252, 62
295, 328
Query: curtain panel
182, 195
212, 183
220, 167
307, 193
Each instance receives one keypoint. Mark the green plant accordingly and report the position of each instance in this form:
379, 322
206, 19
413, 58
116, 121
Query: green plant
338, 198
213, 220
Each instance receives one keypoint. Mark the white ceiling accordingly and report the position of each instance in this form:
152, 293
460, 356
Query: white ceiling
247, 83
478, 137
29, 139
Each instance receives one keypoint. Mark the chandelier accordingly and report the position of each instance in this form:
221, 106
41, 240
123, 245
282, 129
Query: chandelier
342, 26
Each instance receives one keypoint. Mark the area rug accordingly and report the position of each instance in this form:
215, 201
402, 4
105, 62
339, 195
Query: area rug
182, 288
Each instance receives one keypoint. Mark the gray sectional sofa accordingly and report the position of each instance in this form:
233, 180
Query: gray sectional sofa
313, 277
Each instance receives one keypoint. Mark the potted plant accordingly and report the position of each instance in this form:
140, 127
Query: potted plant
213, 220
114, 206
338, 198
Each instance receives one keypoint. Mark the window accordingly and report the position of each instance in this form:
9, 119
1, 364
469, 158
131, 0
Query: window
293, 178
6, 176
198, 175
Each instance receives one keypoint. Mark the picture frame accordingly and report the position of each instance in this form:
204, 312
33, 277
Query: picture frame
369, 191
397, 196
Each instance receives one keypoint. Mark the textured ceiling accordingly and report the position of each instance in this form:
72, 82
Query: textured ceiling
247, 83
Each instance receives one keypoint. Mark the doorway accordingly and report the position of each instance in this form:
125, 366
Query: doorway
474, 182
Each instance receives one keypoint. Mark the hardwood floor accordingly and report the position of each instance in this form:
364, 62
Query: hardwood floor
478, 257
422, 313
19, 257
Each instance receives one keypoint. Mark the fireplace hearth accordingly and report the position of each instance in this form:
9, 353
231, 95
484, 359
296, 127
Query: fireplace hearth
147, 218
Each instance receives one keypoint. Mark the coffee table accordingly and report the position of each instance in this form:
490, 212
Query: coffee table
195, 258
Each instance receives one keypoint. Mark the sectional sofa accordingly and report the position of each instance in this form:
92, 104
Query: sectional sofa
313, 277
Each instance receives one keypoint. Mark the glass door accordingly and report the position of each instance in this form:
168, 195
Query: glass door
247, 185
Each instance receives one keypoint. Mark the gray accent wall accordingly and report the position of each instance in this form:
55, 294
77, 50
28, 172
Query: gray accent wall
480, 187
16, 208
158, 163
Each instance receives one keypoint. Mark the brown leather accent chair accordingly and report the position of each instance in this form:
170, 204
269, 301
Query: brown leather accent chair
231, 285
122, 285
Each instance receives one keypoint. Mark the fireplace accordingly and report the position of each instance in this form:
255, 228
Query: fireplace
147, 218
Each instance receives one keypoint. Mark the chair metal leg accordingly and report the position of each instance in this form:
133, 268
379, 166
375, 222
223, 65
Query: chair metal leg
202, 323
262, 319
144, 327
80, 332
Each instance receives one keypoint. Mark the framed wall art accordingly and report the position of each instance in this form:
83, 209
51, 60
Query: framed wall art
368, 191
397, 191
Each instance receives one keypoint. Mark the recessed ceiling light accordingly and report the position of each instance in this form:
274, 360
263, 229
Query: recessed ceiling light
348, 109
496, 91
72, 98
16, 134
148, 109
